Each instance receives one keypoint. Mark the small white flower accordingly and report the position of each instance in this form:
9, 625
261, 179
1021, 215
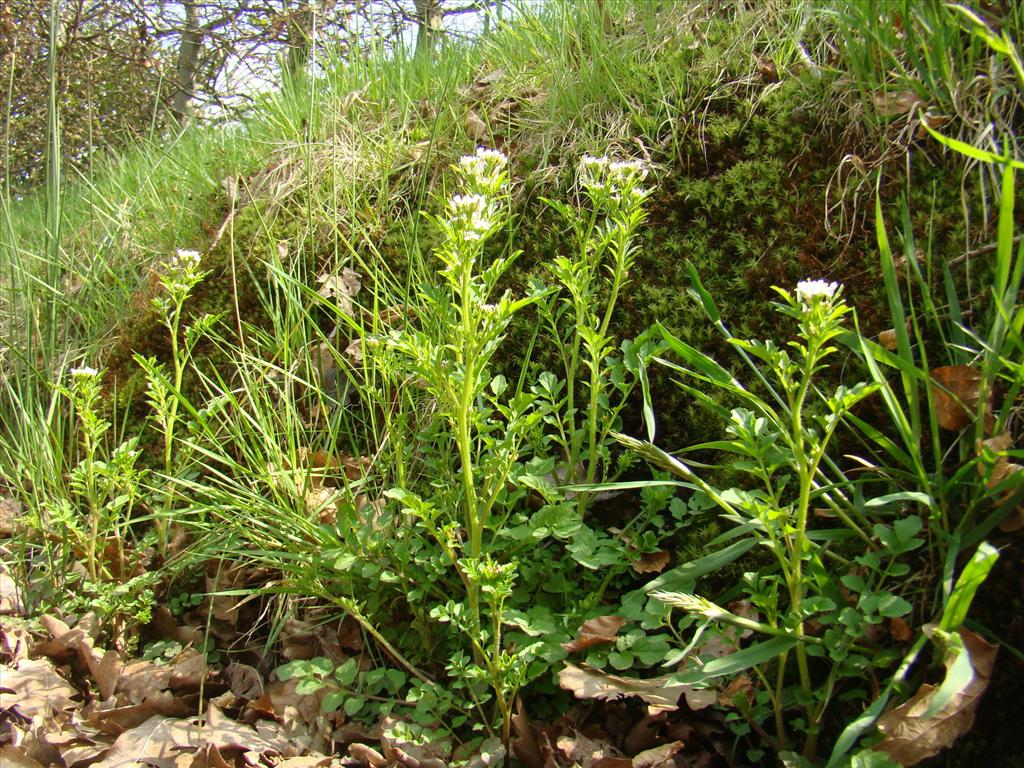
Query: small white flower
484, 167
468, 204
184, 257
473, 213
627, 170
84, 372
809, 291
492, 156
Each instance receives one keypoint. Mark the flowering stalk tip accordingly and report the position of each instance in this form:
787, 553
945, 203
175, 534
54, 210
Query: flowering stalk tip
810, 291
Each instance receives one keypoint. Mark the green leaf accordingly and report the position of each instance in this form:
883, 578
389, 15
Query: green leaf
959, 675
683, 578
893, 498
892, 606
353, 705
346, 673
620, 661
972, 577
291, 669
308, 685
321, 666
332, 701
869, 758
739, 661
907, 527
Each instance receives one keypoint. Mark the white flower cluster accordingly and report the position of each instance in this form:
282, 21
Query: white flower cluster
84, 372
613, 177
810, 291
473, 214
483, 168
186, 259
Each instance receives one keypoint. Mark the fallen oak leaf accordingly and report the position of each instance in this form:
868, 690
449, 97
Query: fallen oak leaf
912, 736
955, 391
113, 721
659, 694
367, 755
524, 746
895, 103
658, 756
596, 631
38, 690
583, 751
12, 757
652, 562
887, 339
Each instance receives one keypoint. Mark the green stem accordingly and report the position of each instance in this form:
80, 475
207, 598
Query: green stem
806, 477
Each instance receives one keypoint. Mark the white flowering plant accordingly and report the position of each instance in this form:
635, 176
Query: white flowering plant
450, 351
825, 610
585, 399
177, 277
105, 486
490, 549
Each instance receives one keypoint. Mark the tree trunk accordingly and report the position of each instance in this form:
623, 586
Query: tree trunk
299, 40
188, 64
428, 22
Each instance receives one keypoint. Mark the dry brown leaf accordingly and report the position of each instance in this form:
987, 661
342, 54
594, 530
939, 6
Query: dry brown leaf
900, 630
157, 741
83, 752
739, 686
341, 287
160, 740
596, 631
955, 392
11, 603
895, 103
887, 339
12, 757
322, 502
188, 670
307, 761
933, 121
246, 681
298, 640
367, 755
64, 642
10, 511
115, 720
998, 472
355, 351
645, 733
14, 644
38, 690
222, 576
106, 671
658, 757
583, 751
657, 692
476, 128
652, 562
524, 746
767, 69
142, 680
1013, 522
350, 635
910, 737
210, 757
